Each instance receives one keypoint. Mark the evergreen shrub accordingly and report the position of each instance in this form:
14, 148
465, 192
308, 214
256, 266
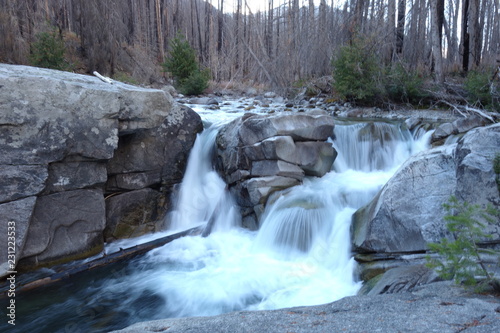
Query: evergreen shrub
48, 51
480, 90
404, 86
461, 259
356, 73
181, 63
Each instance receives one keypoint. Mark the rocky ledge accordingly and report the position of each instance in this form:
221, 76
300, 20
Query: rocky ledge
258, 155
436, 307
82, 160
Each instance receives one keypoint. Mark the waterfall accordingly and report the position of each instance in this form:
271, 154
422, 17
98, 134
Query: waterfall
309, 224
203, 196
300, 256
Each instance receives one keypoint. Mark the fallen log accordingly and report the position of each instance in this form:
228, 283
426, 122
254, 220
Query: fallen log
123, 254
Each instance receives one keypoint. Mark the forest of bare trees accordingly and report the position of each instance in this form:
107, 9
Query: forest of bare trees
291, 41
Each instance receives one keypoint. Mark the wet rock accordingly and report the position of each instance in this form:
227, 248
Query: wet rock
459, 126
131, 214
408, 212
64, 225
403, 279
276, 168
259, 155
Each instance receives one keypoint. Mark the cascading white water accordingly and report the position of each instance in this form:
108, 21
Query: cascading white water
300, 256
203, 195
309, 224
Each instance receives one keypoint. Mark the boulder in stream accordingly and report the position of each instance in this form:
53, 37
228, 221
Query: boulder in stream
408, 212
258, 155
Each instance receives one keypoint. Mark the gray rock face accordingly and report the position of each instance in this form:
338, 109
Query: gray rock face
66, 224
15, 216
21, 181
407, 213
459, 126
69, 138
436, 307
259, 155
132, 213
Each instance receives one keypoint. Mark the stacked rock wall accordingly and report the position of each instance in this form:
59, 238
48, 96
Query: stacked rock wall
258, 155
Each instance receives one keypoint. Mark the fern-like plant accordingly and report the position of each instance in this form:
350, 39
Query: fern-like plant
461, 259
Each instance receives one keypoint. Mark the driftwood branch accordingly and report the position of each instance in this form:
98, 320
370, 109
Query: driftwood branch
467, 110
103, 78
104, 261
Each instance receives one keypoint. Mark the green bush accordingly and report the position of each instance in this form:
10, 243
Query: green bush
460, 259
356, 73
48, 51
182, 64
404, 86
195, 83
481, 91
496, 169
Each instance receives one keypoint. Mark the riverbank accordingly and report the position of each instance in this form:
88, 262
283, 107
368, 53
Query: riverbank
436, 307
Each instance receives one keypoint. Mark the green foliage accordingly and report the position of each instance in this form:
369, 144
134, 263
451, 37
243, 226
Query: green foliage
460, 259
356, 73
182, 64
496, 169
48, 51
481, 91
195, 83
125, 77
404, 86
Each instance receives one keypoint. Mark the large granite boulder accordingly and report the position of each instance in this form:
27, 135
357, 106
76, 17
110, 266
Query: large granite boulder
258, 155
408, 212
67, 142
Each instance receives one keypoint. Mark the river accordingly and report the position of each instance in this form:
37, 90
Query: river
300, 256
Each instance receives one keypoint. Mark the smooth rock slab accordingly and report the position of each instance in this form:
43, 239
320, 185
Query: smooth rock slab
437, 307
276, 168
64, 226
407, 213
68, 176
301, 127
255, 191
129, 214
17, 214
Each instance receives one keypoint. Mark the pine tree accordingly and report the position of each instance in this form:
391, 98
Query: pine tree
189, 79
48, 51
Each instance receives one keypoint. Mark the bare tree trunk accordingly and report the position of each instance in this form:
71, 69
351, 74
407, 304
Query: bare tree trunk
436, 42
465, 36
400, 30
474, 33
159, 30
